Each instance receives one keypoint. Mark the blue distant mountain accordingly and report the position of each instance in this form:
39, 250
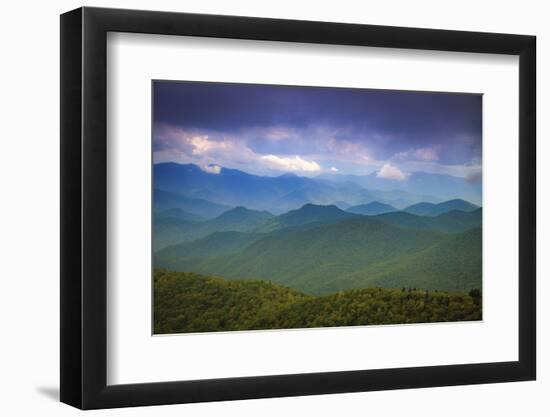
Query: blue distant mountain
165, 200
433, 187
178, 213
229, 188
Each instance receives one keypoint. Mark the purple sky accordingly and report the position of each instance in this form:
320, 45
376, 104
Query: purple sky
270, 130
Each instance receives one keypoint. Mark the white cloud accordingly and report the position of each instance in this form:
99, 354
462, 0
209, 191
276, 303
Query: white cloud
190, 142
262, 151
203, 145
203, 148
211, 169
211, 150
314, 147
295, 163
391, 172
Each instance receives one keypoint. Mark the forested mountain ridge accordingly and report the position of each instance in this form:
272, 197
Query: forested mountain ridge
176, 226
351, 253
180, 299
453, 264
309, 213
430, 209
170, 230
454, 221
165, 200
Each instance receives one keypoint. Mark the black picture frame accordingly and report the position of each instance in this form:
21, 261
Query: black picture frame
84, 207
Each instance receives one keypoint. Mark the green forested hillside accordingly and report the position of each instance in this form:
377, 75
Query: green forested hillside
189, 302
216, 244
169, 230
305, 260
239, 219
454, 264
430, 209
355, 253
178, 213
451, 222
176, 226
172, 230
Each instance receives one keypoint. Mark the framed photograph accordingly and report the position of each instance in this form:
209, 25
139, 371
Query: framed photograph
258, 208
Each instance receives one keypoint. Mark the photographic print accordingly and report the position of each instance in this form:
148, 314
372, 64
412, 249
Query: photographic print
285, 207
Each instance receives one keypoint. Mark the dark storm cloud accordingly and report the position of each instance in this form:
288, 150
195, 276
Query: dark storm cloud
284, 120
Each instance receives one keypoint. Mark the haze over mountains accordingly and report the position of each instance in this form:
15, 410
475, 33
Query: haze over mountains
441, 187
229, 187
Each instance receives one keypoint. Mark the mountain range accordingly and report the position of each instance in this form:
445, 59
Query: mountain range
185, 185
318, 235
442, 187
175, 229
322, 249
164, 200
430, 209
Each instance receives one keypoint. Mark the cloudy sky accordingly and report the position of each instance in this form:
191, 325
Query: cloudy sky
270, 130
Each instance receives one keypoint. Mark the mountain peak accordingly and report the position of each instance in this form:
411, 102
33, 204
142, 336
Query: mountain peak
456, 201
372, 209
239, 209
311, 206
288, 175
313, 213
241, 213
307, 214
430, 209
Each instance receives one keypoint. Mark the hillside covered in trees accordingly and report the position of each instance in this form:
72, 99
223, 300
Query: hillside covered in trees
341, 251
187, 302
